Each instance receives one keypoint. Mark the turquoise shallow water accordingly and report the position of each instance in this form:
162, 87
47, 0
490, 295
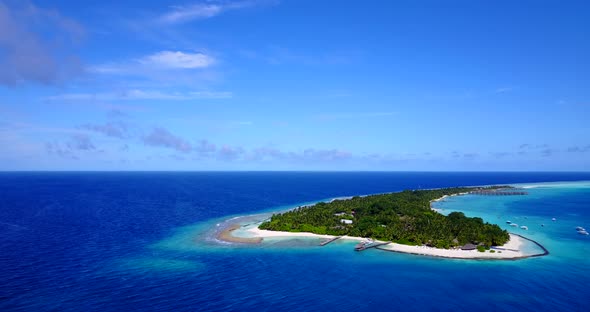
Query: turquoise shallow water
552, 282
145, 241
566, 202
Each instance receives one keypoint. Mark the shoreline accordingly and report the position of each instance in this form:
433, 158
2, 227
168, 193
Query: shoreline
226, 236
443, 198
509, 251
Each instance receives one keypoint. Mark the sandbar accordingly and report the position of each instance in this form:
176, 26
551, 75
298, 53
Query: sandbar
226, 235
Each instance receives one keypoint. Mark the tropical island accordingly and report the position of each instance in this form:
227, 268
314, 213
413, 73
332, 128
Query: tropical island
401, 222
405, 218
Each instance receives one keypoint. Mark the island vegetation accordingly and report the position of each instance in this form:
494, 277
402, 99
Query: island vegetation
404, 217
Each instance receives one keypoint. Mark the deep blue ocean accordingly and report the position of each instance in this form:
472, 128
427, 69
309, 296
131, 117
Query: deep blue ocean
139, 241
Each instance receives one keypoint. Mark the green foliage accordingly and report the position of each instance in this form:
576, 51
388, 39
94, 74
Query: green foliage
404, 241
492, 251
403, 217
481, 248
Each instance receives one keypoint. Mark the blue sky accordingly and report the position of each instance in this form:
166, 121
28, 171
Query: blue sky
295, 85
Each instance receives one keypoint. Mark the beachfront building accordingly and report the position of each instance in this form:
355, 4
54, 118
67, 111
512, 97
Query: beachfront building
346, 221
469, 247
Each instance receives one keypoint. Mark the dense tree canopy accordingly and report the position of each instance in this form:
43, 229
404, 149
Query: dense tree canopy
403, 217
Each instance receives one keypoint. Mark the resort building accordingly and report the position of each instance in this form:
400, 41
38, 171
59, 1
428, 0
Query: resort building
469, 247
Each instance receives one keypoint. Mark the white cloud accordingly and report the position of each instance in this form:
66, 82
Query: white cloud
504, 90
163, 138
159, 95
181, 14
198, 11
177, 59
156, 63
110, 129
357, 115
137, 94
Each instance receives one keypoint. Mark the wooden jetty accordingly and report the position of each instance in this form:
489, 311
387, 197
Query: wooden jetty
545, 251
498, 193
364, 246
326, 242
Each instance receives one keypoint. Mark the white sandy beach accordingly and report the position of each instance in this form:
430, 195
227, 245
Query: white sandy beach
447, 196
514, 245
256, 232
443, 198
511, 250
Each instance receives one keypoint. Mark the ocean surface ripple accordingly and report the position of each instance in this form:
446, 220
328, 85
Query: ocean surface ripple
138, 241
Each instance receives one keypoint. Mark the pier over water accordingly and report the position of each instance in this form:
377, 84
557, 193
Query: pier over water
498, 193
326, 242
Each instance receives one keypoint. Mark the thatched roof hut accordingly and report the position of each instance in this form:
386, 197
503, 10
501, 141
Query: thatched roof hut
469, 247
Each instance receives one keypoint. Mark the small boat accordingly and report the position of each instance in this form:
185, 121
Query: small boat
553, 219
363, 245
524, 227
514, 224
583, 232
508, 221
360, 246
579, 228
542, 224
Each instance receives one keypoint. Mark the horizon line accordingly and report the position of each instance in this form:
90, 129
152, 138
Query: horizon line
301, 171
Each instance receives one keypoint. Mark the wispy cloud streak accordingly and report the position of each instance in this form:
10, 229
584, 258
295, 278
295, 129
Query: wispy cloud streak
163, 138
204, 10
159, 61
136, 95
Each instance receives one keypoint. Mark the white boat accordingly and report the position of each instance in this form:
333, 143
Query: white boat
553, 219
514, 224
579, 228
524, 227
583, 232
508, 221
364, 244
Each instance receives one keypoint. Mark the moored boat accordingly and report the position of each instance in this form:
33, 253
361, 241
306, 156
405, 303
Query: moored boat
363, 245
